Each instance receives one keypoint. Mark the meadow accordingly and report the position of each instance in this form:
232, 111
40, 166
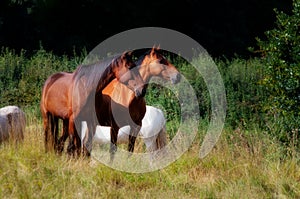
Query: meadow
248, 161
243, 164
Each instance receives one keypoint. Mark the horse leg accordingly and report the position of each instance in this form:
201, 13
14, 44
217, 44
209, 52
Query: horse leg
55, 131
65, 134
71, 146
53, 127
74, 147
161, 142
134, 130
161, 139
77, 143
88, 140
113, 141
151, 144
49, 131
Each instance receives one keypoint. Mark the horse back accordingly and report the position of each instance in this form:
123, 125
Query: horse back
55, 94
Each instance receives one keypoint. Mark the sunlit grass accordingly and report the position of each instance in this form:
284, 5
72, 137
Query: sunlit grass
242, 165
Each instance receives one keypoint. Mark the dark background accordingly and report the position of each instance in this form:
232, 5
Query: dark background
222, 27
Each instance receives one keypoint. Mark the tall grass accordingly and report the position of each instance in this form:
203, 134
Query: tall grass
242, 165
247, 162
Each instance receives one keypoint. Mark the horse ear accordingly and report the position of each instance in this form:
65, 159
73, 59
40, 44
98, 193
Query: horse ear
154, 49
152, 53
157, 47
127, 55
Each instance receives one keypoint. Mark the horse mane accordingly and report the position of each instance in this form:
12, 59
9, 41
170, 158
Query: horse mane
106, 77
141, 57
90, 74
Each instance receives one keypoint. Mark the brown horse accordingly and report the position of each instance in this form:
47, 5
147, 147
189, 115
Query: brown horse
55, 104
123, 106
64, 96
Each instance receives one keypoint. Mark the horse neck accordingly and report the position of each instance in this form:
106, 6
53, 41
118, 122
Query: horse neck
105, 79
145, 74
121, 94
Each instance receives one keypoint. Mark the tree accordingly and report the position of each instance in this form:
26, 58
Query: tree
281, 55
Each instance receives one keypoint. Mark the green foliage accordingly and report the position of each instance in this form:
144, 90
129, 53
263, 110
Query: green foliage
22, 78
168, 100
244, 94
281, 55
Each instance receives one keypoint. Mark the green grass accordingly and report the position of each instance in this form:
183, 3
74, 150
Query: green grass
247, 162
243, 164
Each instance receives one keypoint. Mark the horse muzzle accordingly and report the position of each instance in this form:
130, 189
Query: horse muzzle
175, 78
140, 92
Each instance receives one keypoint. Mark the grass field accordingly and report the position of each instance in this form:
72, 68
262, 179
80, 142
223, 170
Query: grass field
243, 164
247, 162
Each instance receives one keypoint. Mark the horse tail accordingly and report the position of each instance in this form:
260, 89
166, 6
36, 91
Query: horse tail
48, 126
50, 132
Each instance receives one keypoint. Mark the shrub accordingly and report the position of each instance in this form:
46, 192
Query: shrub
281, 55
22, 78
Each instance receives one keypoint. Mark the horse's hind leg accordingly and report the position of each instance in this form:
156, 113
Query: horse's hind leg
74, 139
48, 123
65, 134
161, 140
55, 131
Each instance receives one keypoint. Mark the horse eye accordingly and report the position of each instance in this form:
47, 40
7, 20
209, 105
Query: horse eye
163, 61
130, 66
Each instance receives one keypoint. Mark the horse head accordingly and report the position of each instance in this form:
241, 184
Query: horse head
155, 64
126, 72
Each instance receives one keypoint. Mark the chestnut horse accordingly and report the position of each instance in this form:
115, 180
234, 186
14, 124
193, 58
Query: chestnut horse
123, 106
61, 99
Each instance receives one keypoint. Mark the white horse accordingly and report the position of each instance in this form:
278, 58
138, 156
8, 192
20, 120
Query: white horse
12, 124
153, 131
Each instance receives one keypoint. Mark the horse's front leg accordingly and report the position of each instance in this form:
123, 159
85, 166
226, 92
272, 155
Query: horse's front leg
77, 143
88, 140
134, 131
113, 142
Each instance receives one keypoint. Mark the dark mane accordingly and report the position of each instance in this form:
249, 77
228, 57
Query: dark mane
90, 74
142, 56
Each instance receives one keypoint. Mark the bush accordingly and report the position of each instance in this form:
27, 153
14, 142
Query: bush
281, 55
22, 78
243, 92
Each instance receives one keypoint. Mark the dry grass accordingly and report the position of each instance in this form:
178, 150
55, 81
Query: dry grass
242, 165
